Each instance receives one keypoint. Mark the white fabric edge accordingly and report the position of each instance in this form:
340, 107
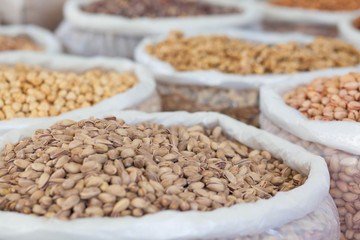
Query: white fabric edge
239, 220
147, 26
348, 32
40, 36
164, 72
302, 15
339, 135
131, 98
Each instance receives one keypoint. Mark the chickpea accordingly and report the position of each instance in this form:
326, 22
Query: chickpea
34, 92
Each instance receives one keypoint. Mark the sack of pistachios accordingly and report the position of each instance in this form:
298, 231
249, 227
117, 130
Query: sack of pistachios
133, 175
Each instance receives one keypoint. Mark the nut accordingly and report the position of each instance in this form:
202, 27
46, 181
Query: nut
344, 172
232, 55
336, 97
156, 8
116, 169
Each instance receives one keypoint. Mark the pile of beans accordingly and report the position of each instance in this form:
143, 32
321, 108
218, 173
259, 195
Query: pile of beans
27, 91
157, 8
328, 5
106, 167
328, 99
232, 55
21, 42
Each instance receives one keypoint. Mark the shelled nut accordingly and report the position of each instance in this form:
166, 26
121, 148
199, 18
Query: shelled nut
328, 99
233, 55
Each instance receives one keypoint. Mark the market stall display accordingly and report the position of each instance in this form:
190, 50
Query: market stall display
135, 163
223, 70
90, 28
319, 17
28, 38
48, 85
293, 109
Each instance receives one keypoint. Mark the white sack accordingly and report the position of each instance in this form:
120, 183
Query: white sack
349, 32
90, 34
129, 99
164, 72
40, 36
303, 15
238, 220
45, 13
341, 135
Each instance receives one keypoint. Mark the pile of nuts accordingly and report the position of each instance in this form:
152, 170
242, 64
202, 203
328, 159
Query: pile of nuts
306, 28
157, 8
34, 92
236, 103
356, 23
328, 99
105, 167
344, 171
328, 5
232, 55
20, 42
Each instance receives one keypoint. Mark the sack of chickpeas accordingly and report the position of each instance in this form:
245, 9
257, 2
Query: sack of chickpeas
28, 38
45, 85
134, 175
321, 113
47, 14
223, 70
318, 17
114, 28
